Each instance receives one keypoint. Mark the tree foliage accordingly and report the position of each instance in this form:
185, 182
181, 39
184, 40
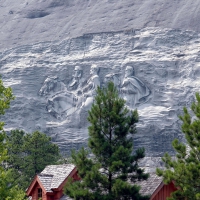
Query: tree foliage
29, 154
113, 169
7, 188
5, 97
185, 169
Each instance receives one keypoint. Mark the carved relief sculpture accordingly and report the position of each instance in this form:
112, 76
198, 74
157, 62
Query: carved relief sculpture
51, 86
77, 97
77, 80
133, 90
62, 102
87, 92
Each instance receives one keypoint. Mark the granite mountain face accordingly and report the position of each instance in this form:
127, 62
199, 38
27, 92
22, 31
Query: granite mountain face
32, 21
54, 63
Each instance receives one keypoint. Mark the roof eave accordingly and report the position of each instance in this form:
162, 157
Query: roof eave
157, 190
60, 187
30, 188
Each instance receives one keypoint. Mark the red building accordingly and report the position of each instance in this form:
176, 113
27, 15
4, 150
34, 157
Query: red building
48, 185
155, 188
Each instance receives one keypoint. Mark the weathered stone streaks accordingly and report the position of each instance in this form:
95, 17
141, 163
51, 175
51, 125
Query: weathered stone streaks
162, 77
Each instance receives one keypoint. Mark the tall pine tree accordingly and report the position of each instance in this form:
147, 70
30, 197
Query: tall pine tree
184, 170
8, 190
111, 172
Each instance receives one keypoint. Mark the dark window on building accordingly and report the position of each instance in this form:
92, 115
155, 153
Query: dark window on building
39, 193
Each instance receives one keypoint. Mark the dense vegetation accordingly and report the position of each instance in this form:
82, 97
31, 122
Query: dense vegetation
8, 190
22, 155
28, 154
109, 168
185, 169
113, 169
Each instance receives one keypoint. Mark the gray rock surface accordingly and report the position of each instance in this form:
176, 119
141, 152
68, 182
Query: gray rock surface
24, 22
53, 95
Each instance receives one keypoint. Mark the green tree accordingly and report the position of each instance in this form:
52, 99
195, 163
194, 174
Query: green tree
16, 157
9, 191
111, 172
184, 170
5, 97
7, 188
29, 154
